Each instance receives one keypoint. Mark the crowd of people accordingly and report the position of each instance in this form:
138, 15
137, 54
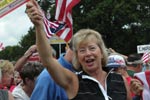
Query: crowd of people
86, 71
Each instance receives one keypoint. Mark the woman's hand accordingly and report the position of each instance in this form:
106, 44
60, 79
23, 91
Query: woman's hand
34, 12
136, 87
30, 51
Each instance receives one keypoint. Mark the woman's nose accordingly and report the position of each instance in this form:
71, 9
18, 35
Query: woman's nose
88, 52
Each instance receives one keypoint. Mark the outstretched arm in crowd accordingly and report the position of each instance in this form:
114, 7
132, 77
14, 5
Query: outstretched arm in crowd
21, 61
65, 78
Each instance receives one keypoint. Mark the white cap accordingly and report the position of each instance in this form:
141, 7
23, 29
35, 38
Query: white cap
116, 61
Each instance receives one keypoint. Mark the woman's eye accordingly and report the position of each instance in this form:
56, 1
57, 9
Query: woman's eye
82, 50
92, 48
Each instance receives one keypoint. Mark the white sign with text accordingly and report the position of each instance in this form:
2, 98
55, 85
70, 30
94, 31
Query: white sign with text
143, 48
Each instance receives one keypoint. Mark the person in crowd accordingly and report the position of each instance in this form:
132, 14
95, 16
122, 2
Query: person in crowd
6, 75
5, 95
45, 87
16, 80
134, 64
144, 77
29, 55
147, 66
7, 70
90, 57
111, 51
117, 63
25, 58
28, 73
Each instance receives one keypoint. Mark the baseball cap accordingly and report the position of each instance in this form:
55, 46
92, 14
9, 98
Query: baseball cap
115, 61
134, 59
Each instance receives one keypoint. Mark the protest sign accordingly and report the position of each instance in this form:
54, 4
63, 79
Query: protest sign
7, 6
143, 48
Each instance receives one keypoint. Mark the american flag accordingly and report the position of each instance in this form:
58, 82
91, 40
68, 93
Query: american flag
146, 57
144, 78
63, 15
2, 46
52, 27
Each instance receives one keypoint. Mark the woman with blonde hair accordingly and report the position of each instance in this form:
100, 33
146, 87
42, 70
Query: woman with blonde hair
6, 76
90, 58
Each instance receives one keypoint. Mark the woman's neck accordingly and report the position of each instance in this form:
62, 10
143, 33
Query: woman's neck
27, 90
100, 76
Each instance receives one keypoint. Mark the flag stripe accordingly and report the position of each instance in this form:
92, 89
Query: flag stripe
63, 15
147, 73
144, 77
60, 10
146, 57
47, 29
62, 34
69, 21
71, 5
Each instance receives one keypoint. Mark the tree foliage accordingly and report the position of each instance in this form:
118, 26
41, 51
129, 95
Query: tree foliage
13, 53
109, 18
27, 40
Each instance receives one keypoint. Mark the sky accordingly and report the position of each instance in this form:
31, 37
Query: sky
13, 26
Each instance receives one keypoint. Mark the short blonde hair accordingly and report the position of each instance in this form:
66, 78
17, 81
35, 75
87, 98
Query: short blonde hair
6, 66
79, 38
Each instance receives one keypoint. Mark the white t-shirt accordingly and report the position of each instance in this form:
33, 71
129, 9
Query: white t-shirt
19, 94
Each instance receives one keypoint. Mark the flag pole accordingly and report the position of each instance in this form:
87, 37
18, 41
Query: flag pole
148, 57
67, 46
